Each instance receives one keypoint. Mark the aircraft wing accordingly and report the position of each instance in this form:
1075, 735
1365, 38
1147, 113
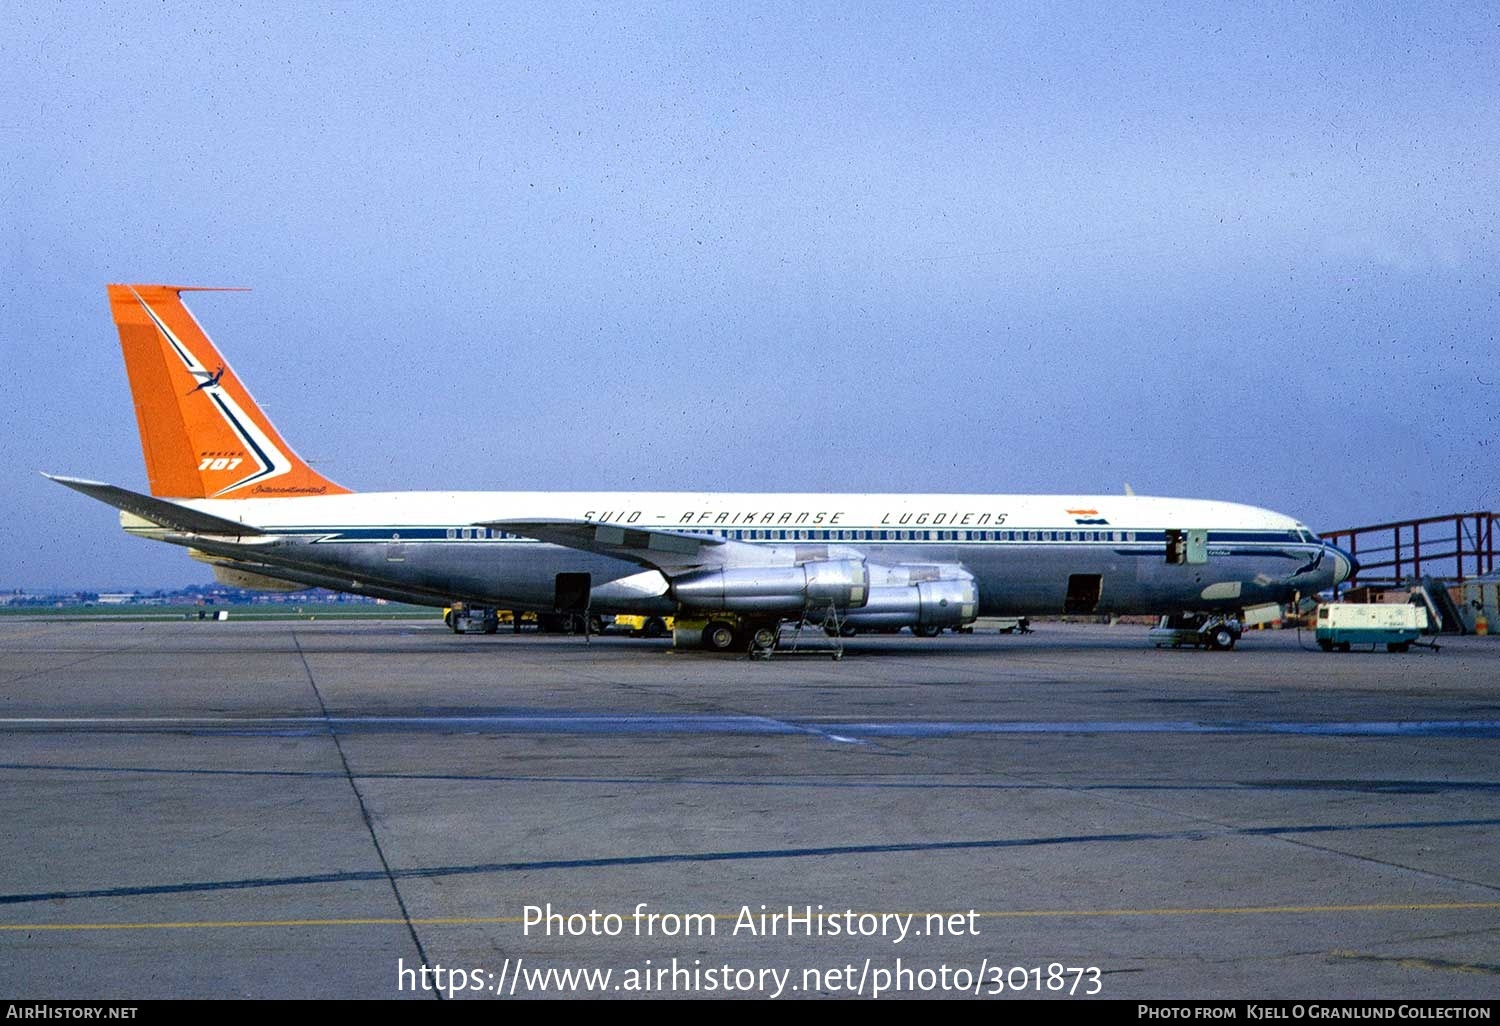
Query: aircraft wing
668, 551
158, 511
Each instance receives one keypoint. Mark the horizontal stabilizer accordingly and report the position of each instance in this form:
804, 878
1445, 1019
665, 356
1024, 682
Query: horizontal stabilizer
668, 551
158, 511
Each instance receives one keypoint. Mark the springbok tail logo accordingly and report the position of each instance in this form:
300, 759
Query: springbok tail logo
211, 379
202, 434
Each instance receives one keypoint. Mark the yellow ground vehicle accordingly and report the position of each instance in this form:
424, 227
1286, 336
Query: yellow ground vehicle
644, 626
461, 620
475, 619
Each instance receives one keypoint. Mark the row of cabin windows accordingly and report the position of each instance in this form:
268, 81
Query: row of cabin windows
842, 534
850, 534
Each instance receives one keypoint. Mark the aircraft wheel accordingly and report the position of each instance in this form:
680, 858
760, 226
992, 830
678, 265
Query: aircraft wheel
718, 636
655, 627
596, 624
927, 630
1222, 639
763, 636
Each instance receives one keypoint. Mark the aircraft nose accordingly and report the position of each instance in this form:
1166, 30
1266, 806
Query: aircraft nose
1345, 565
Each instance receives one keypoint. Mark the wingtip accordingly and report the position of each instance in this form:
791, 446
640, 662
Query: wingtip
78, 484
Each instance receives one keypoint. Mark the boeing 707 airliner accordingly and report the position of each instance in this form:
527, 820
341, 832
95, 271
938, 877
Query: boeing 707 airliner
226, 485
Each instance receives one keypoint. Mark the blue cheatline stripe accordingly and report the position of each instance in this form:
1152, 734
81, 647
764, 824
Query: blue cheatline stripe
668, 858
1147, 543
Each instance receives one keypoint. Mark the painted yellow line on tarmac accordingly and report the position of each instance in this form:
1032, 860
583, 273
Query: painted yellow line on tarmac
1066, 913
1246, 910
250, 924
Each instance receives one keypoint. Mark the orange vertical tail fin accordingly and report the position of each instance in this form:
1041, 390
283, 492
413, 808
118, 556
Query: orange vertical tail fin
202, 435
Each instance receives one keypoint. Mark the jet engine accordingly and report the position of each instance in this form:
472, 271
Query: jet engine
844, 583
918, 597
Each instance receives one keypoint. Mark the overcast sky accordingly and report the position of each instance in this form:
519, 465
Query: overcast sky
1246, 254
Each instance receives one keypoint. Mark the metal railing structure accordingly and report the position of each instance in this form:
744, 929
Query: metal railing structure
1454, 548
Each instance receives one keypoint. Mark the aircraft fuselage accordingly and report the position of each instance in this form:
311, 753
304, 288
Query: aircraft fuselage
1027, 553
